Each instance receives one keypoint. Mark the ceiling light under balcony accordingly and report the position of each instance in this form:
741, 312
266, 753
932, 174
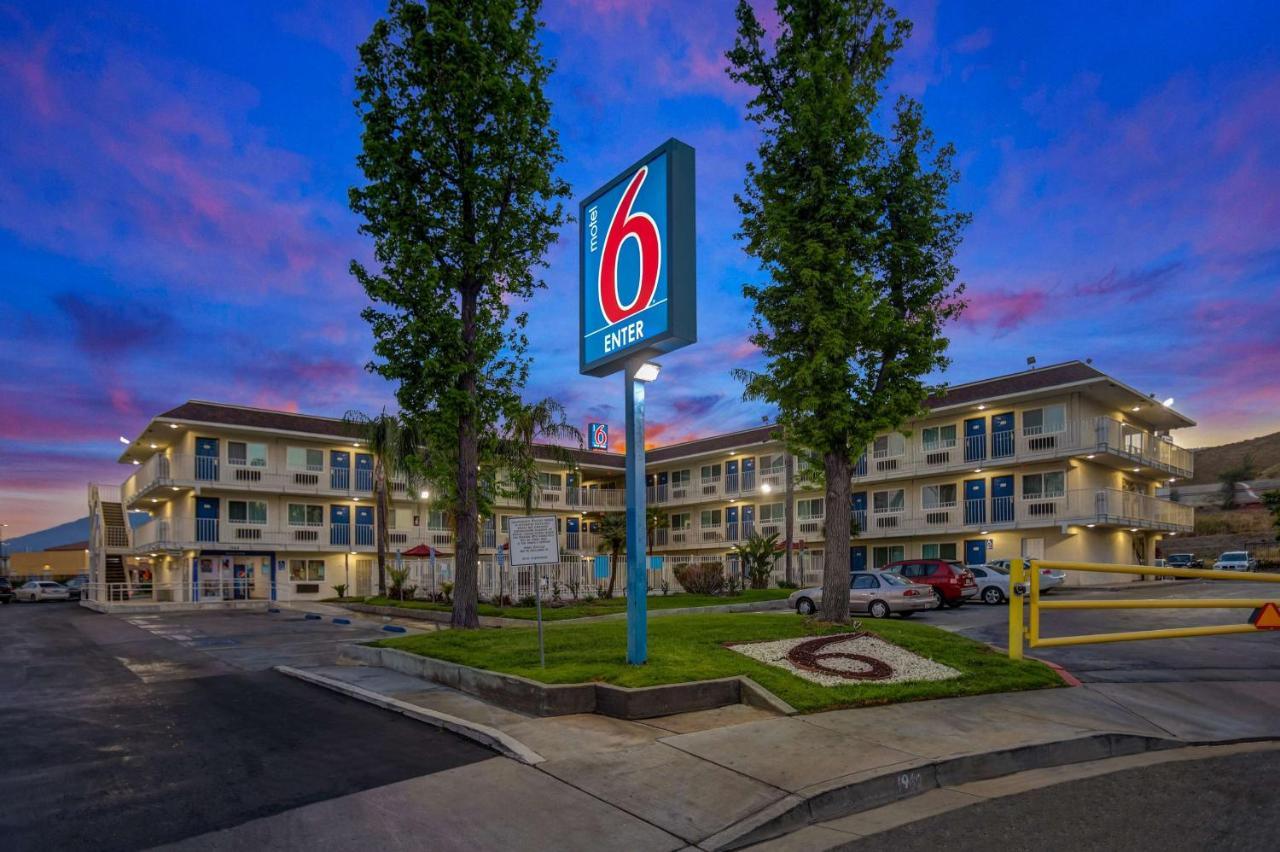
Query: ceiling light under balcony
984, 532
1136, 408
977, 470
1133, 529
1090, 526
135, 461
982, 406
173, 425
175, 488
155, 499
766, 488
1136, 469
153, 446
1089, 456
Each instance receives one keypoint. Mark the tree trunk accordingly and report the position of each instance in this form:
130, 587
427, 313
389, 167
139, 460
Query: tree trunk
835, 560
789, 512
467, 521
380, 507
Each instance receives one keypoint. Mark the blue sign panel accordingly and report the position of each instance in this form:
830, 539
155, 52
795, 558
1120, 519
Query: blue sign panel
637, 263
598, 436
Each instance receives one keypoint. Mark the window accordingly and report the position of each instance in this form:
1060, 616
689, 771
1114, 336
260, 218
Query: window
939, 437
302, 515
548, 480
680, 521
242, 453
710, 518
1044, 486
939, 551
710, 472
776, 463
436, 520
889, 501
679, 478
304, 458
937, 496
1043, 421
399, 519
772, 513
889, 445
247, 511
306, 570
865, 581
811, 509
882, 556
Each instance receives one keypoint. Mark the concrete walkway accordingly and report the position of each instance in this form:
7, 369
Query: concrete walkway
735, 776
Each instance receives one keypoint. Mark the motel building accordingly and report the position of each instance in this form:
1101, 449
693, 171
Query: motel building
246, 505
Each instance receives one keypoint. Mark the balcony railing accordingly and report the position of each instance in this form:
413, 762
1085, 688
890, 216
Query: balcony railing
189, 533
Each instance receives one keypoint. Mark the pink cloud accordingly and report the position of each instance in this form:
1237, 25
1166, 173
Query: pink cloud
1004, 310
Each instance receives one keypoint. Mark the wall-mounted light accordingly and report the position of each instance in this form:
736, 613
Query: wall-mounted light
1168, 403
765, 488
124, 440
426, 495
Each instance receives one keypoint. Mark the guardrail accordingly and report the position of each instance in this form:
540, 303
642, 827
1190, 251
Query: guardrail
1024, 584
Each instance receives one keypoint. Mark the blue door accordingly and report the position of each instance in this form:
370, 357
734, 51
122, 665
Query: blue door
207, 459
748, 474
975, 551
731, 523
748, 521
364, 472
339, 525
1002, 499
858, 558
662, 485
207, 518
572, 537
975, 501
339, 470
364, 526
975, 439
731, 476
1001, 435
860, 510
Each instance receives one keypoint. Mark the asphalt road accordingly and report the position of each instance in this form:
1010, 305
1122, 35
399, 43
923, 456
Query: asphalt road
1226, 803
124, 736
1205, 658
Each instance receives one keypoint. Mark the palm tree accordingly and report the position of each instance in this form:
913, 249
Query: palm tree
613, 538
655, 520
532, 434
756, 555
393, 443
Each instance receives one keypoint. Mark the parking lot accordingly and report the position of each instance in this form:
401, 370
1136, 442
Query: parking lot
125, 733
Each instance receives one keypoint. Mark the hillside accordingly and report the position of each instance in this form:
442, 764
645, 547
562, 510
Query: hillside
71, 531
1212, 461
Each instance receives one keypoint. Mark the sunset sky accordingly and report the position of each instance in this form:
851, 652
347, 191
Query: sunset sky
173, 218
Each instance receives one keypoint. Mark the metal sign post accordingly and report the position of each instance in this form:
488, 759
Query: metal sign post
637, 585
534, 542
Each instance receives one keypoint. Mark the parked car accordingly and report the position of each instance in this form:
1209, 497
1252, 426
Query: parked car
1049, 578
993, 582
1236, 560
1183, 560
42, 590
6, 590
77, 586
952, 583
879, 595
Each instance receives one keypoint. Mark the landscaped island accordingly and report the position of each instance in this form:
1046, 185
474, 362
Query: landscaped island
694, 647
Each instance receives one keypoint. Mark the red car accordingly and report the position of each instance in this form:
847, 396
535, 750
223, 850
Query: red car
952, 583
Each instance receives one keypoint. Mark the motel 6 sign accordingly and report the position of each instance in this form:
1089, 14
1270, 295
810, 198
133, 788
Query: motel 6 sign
598, 436
637, 289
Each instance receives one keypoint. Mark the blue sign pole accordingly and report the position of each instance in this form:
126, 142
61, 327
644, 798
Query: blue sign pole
637, 578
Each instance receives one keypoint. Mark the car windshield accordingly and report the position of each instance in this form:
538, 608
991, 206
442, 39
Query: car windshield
1234, 557
50, 585
895, 579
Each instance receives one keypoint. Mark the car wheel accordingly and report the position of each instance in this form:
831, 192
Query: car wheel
938, 601
992, 595
804, 606
879, 609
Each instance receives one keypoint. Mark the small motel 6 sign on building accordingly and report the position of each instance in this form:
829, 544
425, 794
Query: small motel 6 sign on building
637, 270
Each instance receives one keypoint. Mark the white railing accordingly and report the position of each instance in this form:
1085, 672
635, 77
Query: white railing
194, 533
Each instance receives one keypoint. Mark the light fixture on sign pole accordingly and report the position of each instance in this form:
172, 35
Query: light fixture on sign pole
648, 371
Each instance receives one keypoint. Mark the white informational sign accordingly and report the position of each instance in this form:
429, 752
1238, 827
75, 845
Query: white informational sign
533, 540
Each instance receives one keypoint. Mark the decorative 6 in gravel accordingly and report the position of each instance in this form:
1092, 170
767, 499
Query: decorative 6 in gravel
846, 658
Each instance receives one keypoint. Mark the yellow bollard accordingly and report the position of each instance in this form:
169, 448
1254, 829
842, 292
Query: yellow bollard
1016, 577
1033, 611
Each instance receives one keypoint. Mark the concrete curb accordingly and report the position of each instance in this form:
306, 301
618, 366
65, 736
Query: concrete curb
562, 699
855, 794
493, 738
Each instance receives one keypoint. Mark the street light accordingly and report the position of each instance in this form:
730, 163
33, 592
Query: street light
766, 488
648, 371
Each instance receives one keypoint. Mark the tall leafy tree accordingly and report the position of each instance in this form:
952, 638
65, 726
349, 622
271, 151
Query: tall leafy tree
462, 202
395, 451
855, 235
613, 540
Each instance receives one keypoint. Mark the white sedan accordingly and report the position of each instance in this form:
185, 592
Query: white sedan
993, 582
42, 590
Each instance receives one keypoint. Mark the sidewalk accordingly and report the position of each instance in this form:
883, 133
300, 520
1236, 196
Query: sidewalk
727, 778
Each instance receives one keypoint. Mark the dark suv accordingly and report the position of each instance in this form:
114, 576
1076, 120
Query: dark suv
6, 590
1184, 560
952, 583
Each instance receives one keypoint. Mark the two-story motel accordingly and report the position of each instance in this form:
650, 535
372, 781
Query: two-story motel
1060, 462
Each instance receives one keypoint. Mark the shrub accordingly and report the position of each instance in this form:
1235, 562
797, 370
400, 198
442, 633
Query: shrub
665, 586
603, 593
574, 585
703, 578
446, 591
787, 584
527, 600
340, 590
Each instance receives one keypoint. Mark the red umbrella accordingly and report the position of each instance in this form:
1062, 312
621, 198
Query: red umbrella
421, 550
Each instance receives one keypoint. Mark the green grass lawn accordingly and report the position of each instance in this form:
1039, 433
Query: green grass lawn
598, 606
691, 647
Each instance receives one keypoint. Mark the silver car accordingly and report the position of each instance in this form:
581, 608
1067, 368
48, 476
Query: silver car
42, 590
1049, 578
878, 594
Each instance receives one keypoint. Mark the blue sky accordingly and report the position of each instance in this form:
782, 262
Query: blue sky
173, 219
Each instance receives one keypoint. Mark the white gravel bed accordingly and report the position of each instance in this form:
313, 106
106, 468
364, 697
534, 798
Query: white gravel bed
906, 665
